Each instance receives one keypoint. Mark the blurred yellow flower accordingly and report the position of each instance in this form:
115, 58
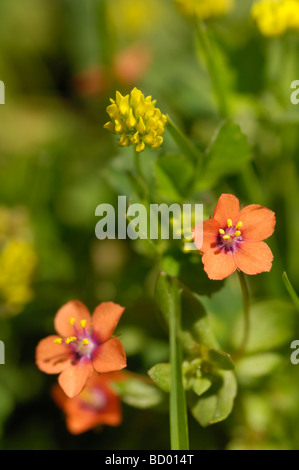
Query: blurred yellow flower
276, 17
204, 9
132, 17
17, 263
18, 260
136, 120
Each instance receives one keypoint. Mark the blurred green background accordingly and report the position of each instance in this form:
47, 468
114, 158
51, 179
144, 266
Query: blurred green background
60, 61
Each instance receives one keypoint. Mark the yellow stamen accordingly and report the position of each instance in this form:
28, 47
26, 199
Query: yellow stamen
237, 233
58, 340
221, 231
72, 321
239, 225
226, 237
229, 223
70, 339
83, 323
85, 341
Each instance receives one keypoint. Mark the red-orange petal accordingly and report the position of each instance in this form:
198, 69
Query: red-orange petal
254, 258
227, 207
52, 358
217, 264
258, 222
105, 319
73, 309
210, 229
110, 356
80, 419
73, 379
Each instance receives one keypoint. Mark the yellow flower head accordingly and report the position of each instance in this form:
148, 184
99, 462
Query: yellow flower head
136, 120
276, 17
204, 9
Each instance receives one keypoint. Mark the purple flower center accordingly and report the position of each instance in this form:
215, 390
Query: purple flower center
83, 343
94, 399
230, 238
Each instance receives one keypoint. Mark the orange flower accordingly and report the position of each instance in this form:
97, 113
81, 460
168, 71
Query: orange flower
84, 344
97, 404
233, 239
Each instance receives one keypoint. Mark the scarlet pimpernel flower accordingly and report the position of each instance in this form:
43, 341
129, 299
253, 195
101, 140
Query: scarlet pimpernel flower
276, 17
96, 405
137, 120
84, 345
233, 239
204, 9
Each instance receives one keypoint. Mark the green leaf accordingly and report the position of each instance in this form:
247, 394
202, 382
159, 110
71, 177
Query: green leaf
216, 403
220, 360
227, 155
160, 374
195, 329
257, 365
272, 324
201, 385
174, 174
138, 393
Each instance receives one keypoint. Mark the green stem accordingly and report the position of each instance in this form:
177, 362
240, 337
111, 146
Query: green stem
246, 306
137, 164
184, 144
209, 53
248, 176
291, 290
178, 408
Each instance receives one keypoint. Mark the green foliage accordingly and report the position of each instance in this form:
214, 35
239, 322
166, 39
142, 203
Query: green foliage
228, 154
232, 128
138, 393
217, 402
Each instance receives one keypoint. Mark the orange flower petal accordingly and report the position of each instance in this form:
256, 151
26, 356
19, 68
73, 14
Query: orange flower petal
258, 222
105, 319
52, 358
110, 356
254, 258
218, 265
81, 422
73, 379
227, 207
73, 309
210, 232
80, 419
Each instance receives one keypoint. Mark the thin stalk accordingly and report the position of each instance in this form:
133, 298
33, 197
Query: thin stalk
212, 66
179, 435
137, 164
250, 182
185, 145
291, 290
246, 307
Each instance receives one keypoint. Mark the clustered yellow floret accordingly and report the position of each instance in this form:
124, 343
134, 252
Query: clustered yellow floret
136, 120
276, 17
204, 9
